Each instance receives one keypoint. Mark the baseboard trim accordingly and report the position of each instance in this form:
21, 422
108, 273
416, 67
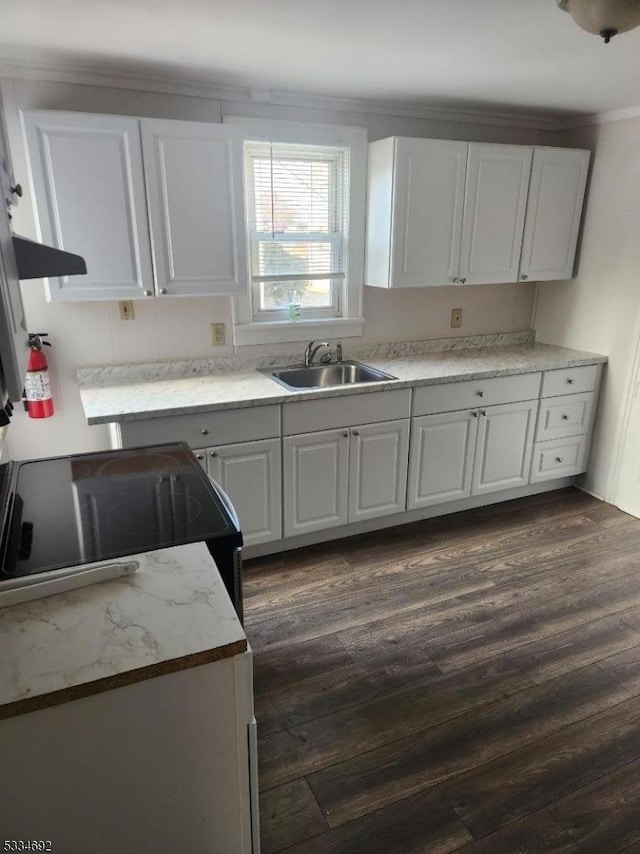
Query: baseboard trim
289, 543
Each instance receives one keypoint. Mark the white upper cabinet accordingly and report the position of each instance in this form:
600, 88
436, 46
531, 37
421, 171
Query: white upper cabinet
416, 198
88, 182
156, 208
195, 192
442, 212
494, 211
558, 181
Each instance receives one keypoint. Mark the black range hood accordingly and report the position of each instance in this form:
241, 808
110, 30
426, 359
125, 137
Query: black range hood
37, 261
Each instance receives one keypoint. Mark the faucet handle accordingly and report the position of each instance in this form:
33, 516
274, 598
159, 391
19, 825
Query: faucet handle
339, 351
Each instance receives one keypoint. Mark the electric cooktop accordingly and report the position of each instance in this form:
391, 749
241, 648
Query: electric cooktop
65, 511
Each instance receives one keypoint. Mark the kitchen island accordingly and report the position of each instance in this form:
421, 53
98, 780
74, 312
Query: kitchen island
127, 713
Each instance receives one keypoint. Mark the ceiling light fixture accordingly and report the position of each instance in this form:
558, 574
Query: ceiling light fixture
604, 18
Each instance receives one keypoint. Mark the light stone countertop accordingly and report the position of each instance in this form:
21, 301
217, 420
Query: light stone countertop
109, 395
171, 614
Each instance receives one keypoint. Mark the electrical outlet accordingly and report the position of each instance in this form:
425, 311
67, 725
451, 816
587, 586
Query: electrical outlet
456, 318
217, 334
125, 307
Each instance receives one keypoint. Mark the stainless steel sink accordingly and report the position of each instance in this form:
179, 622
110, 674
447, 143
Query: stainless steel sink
326, 376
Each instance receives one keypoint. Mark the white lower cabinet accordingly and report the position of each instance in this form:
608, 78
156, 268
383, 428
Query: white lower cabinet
441, 458
334, 477
251, 475
459, 454
316, 481
378, 459
504, 447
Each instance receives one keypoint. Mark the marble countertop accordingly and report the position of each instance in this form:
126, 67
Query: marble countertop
171, 614
110, 395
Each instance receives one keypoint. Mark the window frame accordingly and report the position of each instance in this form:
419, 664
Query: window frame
337, 239
249, 330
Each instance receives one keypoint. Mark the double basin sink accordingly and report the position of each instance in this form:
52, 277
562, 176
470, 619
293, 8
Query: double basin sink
326, 376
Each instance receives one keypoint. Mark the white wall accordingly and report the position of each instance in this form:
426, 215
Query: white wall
92, 334
598, 309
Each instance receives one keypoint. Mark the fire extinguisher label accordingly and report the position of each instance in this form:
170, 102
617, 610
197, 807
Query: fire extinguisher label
37, 386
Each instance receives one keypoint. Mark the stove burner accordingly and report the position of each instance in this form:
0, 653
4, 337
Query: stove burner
171, 512
137, 464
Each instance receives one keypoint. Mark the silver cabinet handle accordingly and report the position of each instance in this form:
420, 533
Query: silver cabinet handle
484, 412
214, 453
346, 434
199, 457
163, 290
474, 414
455, 281
356, 432
480, 393
462, 281
524, 277
565, 417
559, 459
571, 380
148, 293
205, 431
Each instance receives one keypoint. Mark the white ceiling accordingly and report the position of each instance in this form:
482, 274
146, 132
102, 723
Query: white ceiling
508, 55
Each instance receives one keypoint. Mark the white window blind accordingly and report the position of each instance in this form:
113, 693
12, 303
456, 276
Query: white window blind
297, 211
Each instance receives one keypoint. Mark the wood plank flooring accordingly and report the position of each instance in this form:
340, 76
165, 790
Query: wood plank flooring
469, 683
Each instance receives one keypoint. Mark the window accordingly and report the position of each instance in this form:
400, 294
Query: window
296, 206
305, 189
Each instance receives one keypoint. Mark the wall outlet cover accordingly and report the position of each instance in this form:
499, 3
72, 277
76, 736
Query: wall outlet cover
456, 318
218, 336
125, 309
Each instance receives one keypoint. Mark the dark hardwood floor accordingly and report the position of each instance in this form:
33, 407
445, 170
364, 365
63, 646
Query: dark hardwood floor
469, 683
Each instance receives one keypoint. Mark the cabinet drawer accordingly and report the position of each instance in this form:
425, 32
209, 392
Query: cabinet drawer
468, 394
558, 459
307, 416
569, 415
569, 380
210, 428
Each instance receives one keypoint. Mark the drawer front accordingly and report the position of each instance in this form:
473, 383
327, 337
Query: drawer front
468, 394
569, 415
309, 416
569, 380
206, 428
558, 459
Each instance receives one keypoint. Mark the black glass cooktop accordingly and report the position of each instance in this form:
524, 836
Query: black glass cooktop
80, 509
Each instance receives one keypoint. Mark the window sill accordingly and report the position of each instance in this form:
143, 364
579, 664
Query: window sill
286, 331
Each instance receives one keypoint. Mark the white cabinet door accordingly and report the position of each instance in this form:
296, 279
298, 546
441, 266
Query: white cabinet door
88, 183
316, 481
429, 180
250, 474
558, 181
504, 447
195, 191
494, 209
378, 457
441, 458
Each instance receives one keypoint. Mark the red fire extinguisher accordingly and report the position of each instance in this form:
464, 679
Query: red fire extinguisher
37, 389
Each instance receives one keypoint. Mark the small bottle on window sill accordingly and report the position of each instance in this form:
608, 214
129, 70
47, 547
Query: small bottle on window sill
295, 309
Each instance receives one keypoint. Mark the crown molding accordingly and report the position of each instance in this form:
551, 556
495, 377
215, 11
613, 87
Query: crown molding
198, 89
602, 118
